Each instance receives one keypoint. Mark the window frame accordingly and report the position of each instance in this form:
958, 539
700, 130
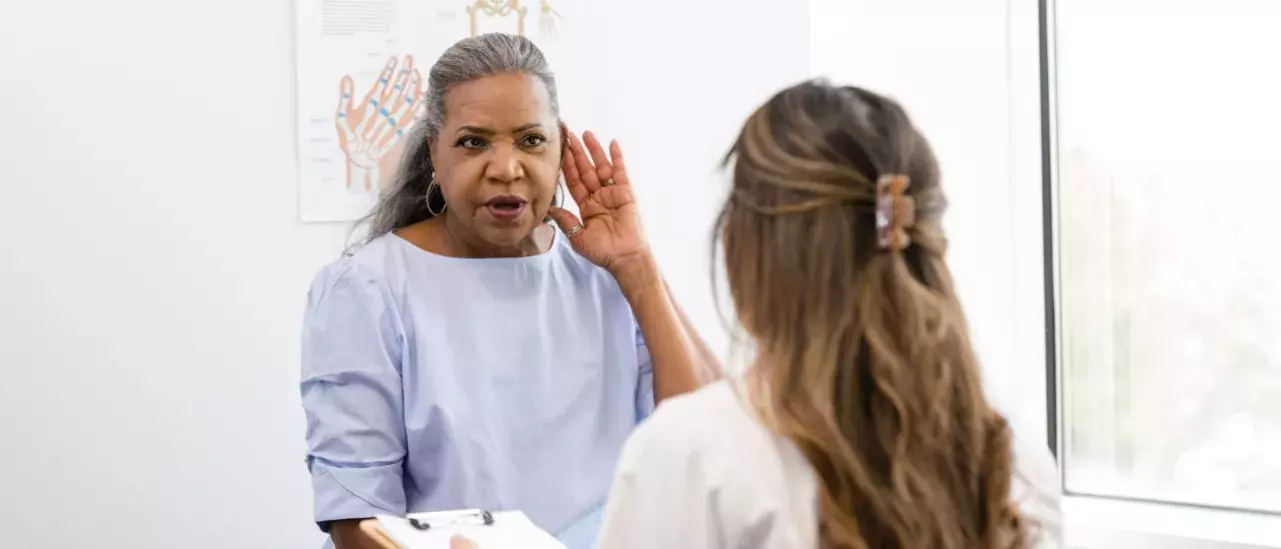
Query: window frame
1098, 520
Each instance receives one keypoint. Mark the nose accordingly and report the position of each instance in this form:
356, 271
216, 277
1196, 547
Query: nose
504, 166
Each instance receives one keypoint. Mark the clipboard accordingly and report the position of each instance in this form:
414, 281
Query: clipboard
485, 530
374, 527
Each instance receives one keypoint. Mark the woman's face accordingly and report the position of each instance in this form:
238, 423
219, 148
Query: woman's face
498, 156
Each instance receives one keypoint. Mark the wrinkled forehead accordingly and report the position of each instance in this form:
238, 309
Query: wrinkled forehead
500, 102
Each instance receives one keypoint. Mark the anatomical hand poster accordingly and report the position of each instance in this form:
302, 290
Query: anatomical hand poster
362, 70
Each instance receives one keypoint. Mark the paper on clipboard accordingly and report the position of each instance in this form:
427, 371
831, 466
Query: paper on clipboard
510, 530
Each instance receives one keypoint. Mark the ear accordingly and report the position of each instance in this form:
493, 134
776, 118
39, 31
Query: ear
564, 139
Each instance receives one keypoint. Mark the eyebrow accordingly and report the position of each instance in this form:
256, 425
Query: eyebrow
487, 131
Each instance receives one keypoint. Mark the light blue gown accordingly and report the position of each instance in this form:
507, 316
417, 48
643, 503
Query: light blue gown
434, 383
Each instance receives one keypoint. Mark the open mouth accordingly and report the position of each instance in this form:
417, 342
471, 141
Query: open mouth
506, 207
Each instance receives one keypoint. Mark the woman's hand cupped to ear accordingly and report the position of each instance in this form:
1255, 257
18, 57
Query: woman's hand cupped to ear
610, 233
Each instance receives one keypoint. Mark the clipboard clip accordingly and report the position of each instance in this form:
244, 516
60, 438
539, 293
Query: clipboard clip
473, 517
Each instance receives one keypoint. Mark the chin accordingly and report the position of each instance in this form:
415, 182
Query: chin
507, 235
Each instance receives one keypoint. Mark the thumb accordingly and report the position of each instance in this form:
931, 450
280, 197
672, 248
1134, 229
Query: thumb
564, 219
344, 94
460, 542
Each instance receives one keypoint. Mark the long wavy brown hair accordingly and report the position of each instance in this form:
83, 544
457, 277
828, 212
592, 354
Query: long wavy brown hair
863, 354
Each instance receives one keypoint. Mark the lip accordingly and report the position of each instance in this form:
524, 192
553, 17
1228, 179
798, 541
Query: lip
506, 214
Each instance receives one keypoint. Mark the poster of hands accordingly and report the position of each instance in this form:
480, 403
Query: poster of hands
362, 69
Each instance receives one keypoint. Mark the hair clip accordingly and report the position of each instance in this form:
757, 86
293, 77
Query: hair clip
895, 213
469, 517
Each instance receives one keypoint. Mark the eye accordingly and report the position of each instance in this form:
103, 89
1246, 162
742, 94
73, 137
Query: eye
533, 141
472, 142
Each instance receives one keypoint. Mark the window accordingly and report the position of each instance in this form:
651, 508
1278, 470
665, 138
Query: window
1167, 272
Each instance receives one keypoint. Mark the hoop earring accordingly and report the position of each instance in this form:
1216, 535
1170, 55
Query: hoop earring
430, 186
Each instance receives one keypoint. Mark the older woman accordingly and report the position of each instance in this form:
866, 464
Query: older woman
469, 355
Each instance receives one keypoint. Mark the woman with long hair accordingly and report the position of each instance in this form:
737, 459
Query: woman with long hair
862, 422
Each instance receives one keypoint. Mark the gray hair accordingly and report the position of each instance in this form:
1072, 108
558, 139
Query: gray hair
406, 200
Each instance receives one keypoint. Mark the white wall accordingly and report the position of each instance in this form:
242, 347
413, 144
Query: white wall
154, 271
967, 72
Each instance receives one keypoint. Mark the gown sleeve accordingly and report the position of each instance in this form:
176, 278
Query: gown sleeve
352, 395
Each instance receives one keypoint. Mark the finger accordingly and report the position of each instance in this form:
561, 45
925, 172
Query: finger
396, 123
387, 129
572, 182
565, 219
393, 128
396, 138
407, 123
368, 126
381, 147
344, 95
586, 172
397, 93
412, 106
620, 169
415, 88
375, 108
407, 109
415, 114
604, 171
373, 126
344, 106
460, 542
371, 98
382, 127
387, 80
